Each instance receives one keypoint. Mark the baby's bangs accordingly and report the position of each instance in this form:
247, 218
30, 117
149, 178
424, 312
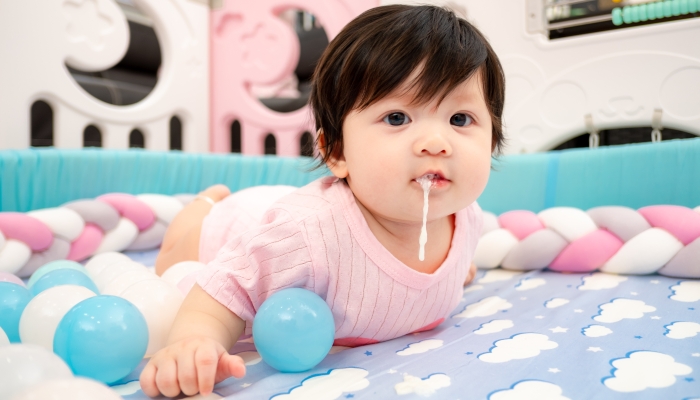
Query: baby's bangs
444, 49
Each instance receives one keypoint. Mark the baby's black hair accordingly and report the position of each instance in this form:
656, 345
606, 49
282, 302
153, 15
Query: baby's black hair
375, 53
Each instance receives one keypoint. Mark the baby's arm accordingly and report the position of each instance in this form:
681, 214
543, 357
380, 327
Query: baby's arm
196, 356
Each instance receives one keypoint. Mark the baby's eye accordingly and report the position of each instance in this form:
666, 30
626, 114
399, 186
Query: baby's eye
461, 120
396, 119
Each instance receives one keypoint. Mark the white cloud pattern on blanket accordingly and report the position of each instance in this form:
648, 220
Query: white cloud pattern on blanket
422, 387
484, 307
600, 281
644, 369
620, 309
495, 275
556, 302
524, 345
530, 390
686, 291
596, 331
420, 347
328, 386
494, 326
682, 330
529, 283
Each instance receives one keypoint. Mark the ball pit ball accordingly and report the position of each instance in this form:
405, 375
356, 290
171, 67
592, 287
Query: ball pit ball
108, 274
293, 330
52, 266
13, 300
4, 340
24, 366
102, 337
103, 260
73, 389
12, 278
44, 312
62, 276
158, 302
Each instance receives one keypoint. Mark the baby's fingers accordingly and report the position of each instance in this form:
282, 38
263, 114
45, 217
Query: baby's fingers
166, 377
234, 365
148, 380
206, 360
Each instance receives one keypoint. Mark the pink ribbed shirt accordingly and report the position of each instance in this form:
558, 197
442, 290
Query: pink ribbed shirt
316, 238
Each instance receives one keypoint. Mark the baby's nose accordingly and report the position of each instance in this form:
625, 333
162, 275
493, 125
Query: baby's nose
434, 144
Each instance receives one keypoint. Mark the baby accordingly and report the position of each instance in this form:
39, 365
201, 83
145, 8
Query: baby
403, 95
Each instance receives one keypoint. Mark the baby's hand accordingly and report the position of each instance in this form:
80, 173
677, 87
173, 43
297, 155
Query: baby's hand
191, 365
470, 275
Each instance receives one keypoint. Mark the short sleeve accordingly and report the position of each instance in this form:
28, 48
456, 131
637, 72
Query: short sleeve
256, 264
476, 223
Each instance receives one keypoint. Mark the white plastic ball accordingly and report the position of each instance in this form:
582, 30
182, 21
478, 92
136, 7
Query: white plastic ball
44, 312
187, 283
108, 274
128, 278
69, 389
24, 366
175, 273
159, 302
101, 261
4, 340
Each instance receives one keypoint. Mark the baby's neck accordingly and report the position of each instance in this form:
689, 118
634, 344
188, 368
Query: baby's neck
401, 239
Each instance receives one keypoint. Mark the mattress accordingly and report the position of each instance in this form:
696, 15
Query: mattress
533, 335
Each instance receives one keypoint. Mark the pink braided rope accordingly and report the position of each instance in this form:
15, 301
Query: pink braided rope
664, 239
77, 230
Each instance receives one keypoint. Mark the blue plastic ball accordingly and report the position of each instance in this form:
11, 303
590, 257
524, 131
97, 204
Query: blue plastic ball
52, 266
103, 338
13, 300
293, 330
63, 276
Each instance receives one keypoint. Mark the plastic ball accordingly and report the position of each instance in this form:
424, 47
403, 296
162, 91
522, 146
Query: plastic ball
293, 330
107, 275
24, 366
43, 313
159, 302
52, 266
174, 274
60, 277
4, 340
103, 338
103, 260
13, 300
12, 278
125, 280
69, 389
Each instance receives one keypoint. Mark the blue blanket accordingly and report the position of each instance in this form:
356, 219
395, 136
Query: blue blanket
535, 335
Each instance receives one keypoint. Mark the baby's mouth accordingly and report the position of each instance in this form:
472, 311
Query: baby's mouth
431, 180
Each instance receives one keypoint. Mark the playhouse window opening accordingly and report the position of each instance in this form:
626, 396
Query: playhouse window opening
134, 77
235, 137
306, 145
614, 137
41, 120
175, 133
136, 139
92, 137
292, 93
270, 144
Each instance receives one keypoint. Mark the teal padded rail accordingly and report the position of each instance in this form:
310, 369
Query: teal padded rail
634, 175
41, 178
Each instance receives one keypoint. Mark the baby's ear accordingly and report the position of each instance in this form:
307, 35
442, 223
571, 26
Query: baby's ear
336, 165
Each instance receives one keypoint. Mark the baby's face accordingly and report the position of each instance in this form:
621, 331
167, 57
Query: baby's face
390, 144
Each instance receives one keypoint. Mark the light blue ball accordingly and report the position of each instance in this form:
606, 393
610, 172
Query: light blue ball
13, 300
293, 330
52, 266
63, 276
102, 338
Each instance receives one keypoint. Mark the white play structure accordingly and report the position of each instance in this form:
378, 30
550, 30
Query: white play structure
646, 75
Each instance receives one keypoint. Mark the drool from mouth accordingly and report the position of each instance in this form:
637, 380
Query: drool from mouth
426, 181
